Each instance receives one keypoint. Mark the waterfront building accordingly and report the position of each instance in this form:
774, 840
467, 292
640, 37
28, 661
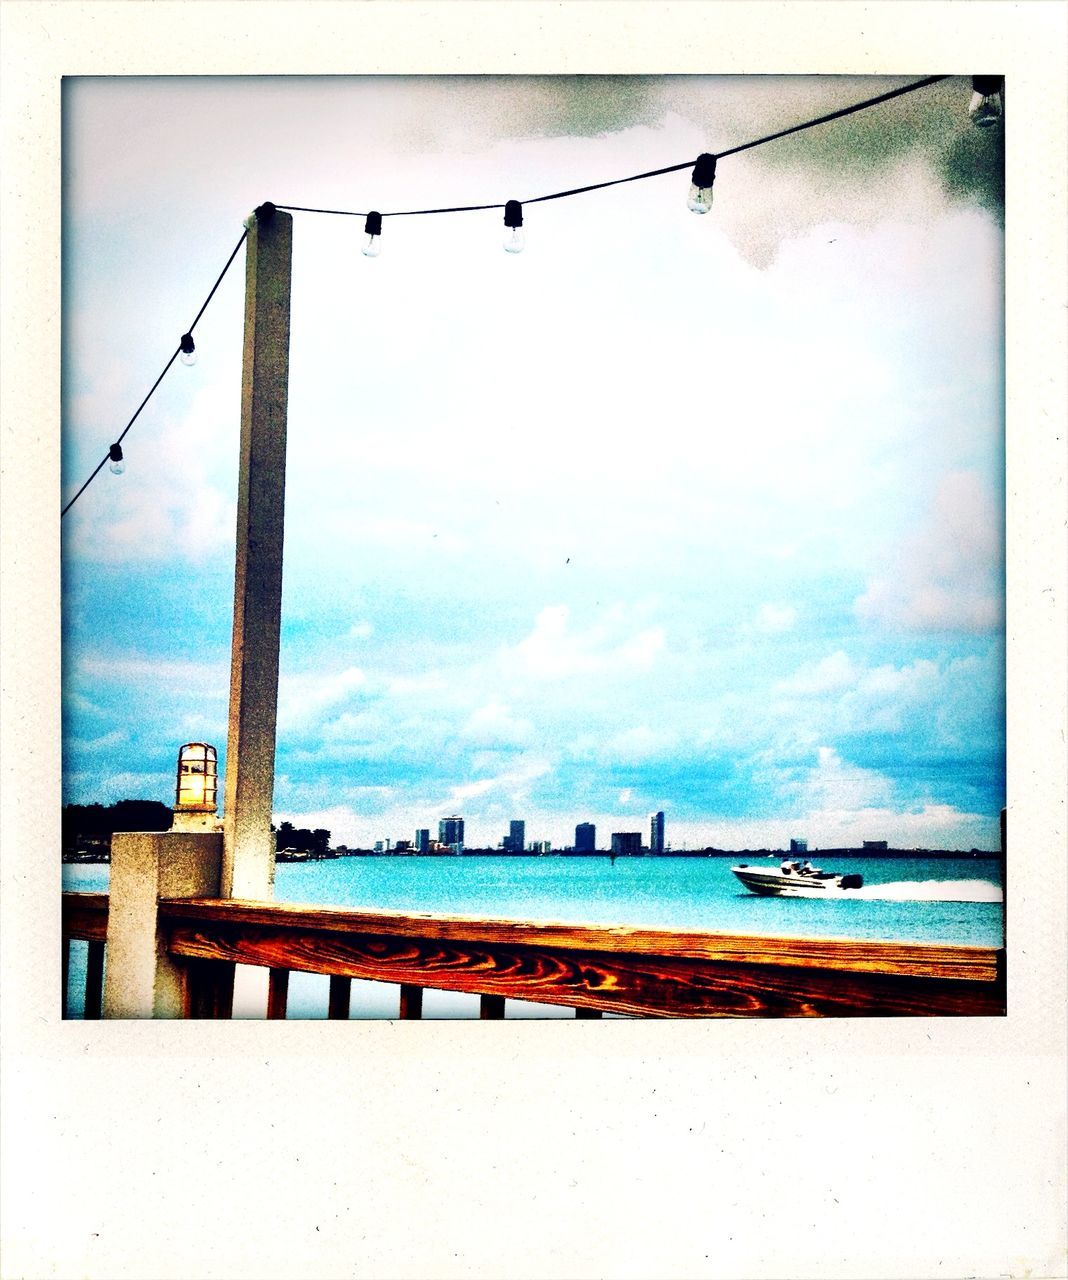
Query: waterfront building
451, 831
541, 846
422, 840
656, 832
626, 842
517, 835
799, 846
585, 837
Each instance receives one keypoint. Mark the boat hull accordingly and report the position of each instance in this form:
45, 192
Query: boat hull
773, 882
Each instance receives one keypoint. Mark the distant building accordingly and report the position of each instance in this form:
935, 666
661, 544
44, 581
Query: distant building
799, 846
626, 842
585, 837
656, 832
875, 844
516, 839
541, 846
422, 840
451, 831
402, 846
378, 846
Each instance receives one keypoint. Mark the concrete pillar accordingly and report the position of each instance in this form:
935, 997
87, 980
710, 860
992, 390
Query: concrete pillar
248, 856
140, 978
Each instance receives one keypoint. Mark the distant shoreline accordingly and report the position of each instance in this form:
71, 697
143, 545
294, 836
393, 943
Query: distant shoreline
822, 854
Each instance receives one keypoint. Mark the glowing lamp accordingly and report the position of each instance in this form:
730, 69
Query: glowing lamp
198, 779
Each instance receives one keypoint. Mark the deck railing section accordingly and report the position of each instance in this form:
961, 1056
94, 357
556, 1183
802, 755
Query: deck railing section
593, 969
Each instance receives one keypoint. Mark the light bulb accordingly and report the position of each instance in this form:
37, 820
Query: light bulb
373, 230
188, 351
699, 199
115, 460
513, 224
985, 106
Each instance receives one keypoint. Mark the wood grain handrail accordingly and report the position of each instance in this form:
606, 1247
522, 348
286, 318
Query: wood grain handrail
857, 955
592, 968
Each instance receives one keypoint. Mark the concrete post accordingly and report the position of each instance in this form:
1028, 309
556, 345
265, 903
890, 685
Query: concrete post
248, 849
140, 978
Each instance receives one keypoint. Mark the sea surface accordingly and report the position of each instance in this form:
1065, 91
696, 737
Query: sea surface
955, 900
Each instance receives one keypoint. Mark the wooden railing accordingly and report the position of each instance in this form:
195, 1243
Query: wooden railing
591, 968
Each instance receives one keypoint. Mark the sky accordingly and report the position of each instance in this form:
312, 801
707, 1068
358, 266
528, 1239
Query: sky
693, 513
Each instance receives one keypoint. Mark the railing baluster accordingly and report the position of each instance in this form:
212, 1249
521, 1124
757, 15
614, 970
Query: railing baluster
278, 993
94, 980
210, 989
411, 1001
580, 1012
340, 994
491, 1007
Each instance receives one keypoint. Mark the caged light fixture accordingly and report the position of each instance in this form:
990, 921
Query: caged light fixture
985, 107
116, 462
373, 230
187, 350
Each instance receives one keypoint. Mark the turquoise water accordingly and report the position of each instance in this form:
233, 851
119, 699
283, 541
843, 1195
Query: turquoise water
954, 900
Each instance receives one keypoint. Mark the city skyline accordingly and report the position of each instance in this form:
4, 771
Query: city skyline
483, 610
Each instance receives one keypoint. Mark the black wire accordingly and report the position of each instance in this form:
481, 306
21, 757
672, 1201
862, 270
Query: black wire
652, 173
166, 367
556, 195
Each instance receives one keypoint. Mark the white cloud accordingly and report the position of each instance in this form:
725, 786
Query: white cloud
303, 699
947, 575
776, 618
493, 725
553, 652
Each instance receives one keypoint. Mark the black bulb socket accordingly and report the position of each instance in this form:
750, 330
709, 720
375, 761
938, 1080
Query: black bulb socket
704, 171
988, 85
187, 344
513, 214
373, 225
265, 212
115, 453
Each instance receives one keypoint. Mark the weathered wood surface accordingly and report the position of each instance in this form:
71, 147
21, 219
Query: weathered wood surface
277, 993
635, 971
209, 990
85, 916
340, 998
978, 964
411, 1001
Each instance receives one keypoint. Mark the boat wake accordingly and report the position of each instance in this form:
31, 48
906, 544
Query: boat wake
932, 891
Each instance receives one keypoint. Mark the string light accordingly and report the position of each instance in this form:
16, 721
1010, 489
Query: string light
513, 222
985, 110
373, 230
985, 106
704, 174
116, 462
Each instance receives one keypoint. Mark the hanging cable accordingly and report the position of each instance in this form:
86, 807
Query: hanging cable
651, 173
704, 169
185, 347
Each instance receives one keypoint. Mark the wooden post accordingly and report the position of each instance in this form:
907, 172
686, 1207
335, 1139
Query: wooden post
248, 848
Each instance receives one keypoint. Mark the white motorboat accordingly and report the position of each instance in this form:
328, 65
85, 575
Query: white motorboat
795, 880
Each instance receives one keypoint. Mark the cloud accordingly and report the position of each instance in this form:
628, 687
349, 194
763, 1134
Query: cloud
947, 576
553, 652
493, 726
776, 618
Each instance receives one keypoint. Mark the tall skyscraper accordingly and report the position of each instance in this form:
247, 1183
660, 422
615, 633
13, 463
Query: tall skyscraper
626, 842
585, 837
451, 831
516, 839
656, 832
422, 840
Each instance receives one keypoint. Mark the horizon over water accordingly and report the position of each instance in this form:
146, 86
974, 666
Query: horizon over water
945, 900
